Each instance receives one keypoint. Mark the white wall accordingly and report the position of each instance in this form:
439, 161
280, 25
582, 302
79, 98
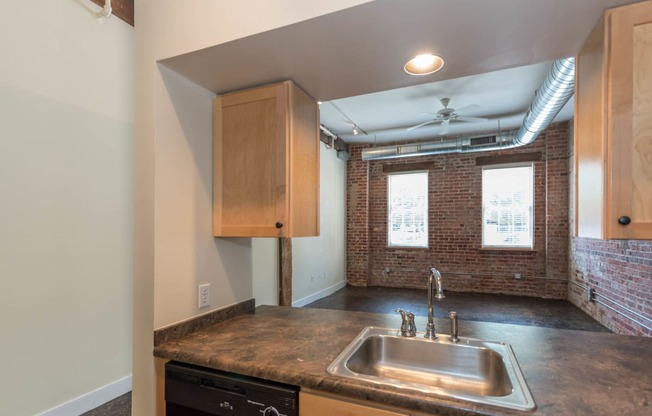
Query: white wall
265, 270
167, 28
66, 210
319, 263
186, 253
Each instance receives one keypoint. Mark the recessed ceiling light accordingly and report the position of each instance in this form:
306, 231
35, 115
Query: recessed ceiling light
424, 64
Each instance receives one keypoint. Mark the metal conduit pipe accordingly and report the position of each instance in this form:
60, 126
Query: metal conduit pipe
504, 276
592, 298
622, 314
555, 92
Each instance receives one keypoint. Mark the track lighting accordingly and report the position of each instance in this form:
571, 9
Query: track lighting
354, 127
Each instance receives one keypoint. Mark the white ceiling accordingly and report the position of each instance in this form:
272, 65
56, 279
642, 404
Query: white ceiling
497, 54
502, 97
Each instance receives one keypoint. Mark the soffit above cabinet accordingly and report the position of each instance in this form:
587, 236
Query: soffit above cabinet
362, 49
496, 54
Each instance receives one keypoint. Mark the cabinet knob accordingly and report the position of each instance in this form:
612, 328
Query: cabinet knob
279, 224
624, 220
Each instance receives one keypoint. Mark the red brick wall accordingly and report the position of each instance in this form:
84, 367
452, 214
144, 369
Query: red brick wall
455, 195
618, 269
357, 219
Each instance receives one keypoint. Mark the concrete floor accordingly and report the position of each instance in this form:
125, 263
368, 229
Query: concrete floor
519, 310
117, 407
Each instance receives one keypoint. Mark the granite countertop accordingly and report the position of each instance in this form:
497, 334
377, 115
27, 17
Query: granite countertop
569, 372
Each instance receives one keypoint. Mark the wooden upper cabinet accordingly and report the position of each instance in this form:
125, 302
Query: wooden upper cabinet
266, 163
613, 127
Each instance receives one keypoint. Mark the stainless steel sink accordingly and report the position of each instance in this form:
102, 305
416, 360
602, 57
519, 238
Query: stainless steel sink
474, 370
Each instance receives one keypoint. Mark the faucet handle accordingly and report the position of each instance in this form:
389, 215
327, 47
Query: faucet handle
408, 327
404, 322
412, 327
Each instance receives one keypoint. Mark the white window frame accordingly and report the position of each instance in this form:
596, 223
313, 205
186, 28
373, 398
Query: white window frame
390, 243
485, 244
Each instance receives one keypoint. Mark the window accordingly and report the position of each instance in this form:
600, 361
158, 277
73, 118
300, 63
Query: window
407, 209
507, 206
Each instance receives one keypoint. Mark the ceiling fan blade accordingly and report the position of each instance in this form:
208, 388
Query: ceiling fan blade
445, 126
465, 108
422, 124
471, 119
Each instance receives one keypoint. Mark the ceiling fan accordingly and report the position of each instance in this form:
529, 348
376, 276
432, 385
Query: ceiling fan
446, 115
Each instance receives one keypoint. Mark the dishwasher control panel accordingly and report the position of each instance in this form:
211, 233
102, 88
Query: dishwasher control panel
197, 391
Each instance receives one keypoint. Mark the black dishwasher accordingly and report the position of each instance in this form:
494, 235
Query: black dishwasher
197, 391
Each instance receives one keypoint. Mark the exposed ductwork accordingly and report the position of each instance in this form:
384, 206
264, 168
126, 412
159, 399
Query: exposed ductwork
548, 102
331, 140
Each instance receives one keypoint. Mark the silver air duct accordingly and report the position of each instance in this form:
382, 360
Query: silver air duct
548, 102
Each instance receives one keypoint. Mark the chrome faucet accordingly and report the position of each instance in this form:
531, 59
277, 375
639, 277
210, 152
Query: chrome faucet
434, 284
408, 327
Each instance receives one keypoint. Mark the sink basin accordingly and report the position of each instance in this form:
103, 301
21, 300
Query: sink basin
474, 370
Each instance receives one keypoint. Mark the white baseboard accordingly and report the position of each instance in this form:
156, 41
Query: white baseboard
91, 400
318, 295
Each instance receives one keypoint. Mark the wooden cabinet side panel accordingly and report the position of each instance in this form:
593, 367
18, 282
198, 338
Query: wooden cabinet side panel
304, 164
218, 167
320, 405
589, 136
630, 127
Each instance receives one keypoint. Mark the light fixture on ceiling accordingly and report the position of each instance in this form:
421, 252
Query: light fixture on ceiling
355, 129
553, 95
424, 64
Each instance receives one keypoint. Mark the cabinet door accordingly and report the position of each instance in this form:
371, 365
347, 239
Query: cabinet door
630, 121
318, 405
249, 162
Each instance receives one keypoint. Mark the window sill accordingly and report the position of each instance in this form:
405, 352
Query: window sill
510, 249
406, 248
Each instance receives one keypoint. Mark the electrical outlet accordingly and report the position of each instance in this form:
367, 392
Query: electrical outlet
517, 276
591, 294
204, 295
